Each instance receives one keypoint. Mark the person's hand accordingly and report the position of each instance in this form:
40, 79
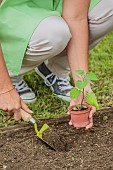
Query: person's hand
92, 111
12, 103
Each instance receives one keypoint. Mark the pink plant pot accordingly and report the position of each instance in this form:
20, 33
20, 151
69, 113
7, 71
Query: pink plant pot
80, 118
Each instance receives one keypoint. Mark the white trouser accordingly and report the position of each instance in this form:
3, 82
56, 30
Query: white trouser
51, 37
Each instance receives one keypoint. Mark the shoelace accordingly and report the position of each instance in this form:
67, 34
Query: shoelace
22, 86
63, 83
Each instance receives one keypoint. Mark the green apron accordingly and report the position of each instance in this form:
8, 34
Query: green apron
18, 20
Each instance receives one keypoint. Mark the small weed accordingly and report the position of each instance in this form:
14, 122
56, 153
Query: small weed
105, 118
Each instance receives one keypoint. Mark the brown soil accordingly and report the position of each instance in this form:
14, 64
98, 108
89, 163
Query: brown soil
20, 149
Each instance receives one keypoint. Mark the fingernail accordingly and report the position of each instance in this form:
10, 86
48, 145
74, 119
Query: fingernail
30, 111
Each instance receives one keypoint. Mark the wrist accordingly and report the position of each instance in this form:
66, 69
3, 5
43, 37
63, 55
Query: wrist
5, 87
3, 92
77, 77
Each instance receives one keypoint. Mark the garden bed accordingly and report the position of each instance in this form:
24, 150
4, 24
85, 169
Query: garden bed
20, 149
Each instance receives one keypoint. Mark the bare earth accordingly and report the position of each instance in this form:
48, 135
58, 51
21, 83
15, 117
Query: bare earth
84, 150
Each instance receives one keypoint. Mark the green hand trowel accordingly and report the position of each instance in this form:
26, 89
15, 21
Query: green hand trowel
39, 133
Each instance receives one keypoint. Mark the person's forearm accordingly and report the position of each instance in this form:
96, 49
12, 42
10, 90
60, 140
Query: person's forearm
5, 82
75, 14
77, 49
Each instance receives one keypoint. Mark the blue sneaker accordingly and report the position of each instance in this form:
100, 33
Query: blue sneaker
60, 86
25, 92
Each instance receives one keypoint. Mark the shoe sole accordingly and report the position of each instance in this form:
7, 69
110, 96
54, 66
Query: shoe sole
29, 100
43, 77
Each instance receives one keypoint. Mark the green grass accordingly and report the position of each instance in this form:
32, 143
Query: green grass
49, 106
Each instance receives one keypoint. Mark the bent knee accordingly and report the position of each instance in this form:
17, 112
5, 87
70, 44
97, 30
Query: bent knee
52, 35
57, 33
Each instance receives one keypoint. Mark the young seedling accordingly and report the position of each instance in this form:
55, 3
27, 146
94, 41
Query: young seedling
80, 88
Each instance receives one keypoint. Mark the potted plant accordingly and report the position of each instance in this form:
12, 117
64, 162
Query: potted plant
80, 112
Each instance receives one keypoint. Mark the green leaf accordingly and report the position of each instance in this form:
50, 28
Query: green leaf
91, 99
81, 84
85, 107
91, 76
74, 108
80, 72
90, 81
74, 93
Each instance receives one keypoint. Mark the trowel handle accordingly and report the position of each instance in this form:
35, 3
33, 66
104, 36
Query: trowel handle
25, 116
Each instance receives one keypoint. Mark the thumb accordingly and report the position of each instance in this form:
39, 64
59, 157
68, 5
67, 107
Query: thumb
93, 110
25, 107
72, 102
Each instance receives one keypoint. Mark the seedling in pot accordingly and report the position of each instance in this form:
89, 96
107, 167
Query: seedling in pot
80, 112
